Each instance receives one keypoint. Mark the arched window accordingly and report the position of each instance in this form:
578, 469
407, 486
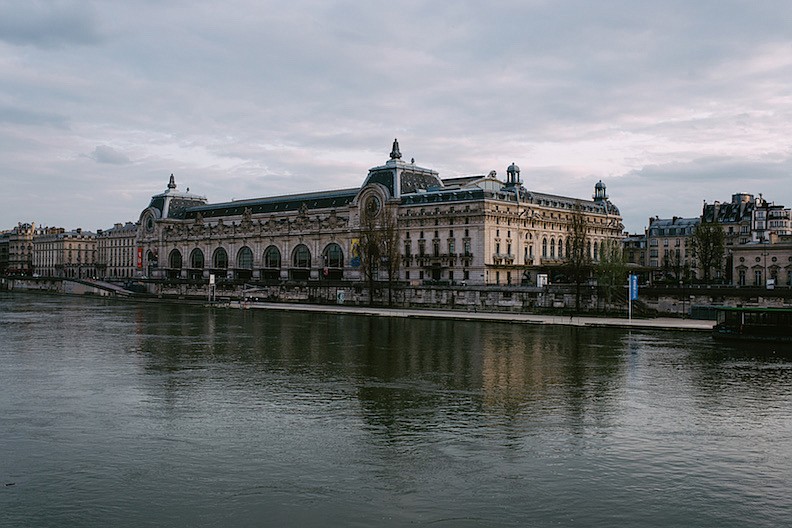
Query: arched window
175, 259
596, 251
220, 259
245, 258
272, 257
544, 248
588, 248
552, 248
333, 256
197, 259
301, 258
560, 248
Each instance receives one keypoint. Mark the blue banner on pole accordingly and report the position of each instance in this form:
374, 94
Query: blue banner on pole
633, 287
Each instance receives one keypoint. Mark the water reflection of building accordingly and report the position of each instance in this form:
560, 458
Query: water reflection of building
477, 229
522, 366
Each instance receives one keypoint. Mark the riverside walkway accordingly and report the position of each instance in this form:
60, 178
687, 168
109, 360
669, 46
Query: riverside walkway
659, 323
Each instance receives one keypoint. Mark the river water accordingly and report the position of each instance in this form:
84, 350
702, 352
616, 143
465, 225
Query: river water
123, 414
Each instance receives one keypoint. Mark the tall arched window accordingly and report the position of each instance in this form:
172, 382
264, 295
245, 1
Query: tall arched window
173, 270
301, 258
272, 257
552, 248
196, 264
220, 259
301, 263
272, 264
245, 258
544, 248
333, 259
596, 251
333, 256
175, 259
197, 259
560, 248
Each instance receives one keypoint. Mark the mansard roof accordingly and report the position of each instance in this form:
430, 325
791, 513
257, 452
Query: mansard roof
727, 213
675, 221
277, 204
418, 185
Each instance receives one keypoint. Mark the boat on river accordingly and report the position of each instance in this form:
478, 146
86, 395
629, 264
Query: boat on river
753, 324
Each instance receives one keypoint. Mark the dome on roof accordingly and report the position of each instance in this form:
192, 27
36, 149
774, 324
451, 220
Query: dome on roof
513, 174
599, 192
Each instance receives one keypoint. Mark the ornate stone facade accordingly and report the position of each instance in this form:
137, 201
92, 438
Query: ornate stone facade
67, 254
763, 264
476, 229
20, 249
116, 252
670, 245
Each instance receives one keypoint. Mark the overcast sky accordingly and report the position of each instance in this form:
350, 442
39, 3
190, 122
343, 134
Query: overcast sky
668, 102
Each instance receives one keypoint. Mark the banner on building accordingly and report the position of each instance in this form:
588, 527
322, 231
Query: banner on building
140, 258
354, 251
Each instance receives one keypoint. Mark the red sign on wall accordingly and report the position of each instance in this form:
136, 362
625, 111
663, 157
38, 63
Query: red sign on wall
140, 258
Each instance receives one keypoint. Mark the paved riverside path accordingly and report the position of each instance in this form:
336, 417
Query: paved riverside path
659, 323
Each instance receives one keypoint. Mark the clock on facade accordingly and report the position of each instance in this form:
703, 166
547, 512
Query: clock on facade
373, 206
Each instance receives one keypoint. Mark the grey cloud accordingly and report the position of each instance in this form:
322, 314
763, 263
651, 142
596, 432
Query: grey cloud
679, 189
23, 116
48, 24
205, 90
105, 154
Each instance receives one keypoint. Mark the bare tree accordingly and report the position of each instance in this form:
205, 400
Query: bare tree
391, 257
708, 248
611, 270
578, 259
379, 245
370, 248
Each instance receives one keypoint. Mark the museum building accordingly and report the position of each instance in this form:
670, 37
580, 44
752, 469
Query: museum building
475, 229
